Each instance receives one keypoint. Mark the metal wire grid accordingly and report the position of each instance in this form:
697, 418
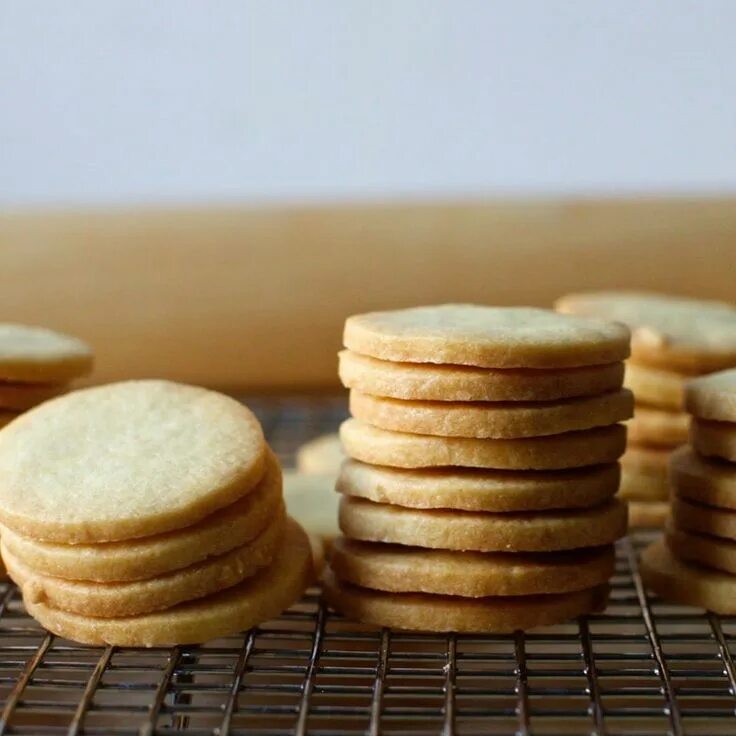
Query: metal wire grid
642, 667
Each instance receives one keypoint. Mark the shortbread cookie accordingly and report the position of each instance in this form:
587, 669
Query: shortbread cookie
22, 396
480, 490
402, 450
714, 439
648, 514
311, 500
126, 460
704, 519
674, 333
658, 427
483, 532
708, 482
644, 474
713, 397
492, 420
255, 600
399, 569
424, 612
703, 549
683, 582
655, 386
138, 559
487, 337
430, 382
36, 355
320, 456
110, 600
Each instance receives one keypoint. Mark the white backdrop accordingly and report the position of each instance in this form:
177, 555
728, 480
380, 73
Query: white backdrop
222, 100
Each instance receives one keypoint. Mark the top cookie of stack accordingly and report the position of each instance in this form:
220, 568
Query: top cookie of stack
483, 444
673, 338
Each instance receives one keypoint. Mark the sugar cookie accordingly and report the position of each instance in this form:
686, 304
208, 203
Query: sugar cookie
488, 337
703, 549
399, 569
703, 519
483, 532
713, 397
658, 427
311, 500
399, 449
431, 382
714, 439
247, 604
655, 386
648, 514
674, 333
22, 396
709, 482
494, 420
126, 460
480, 490
320, 456
424, 612
683, 582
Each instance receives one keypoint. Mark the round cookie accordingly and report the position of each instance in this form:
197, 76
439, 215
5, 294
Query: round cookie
658, 427
320, 456
138, 559
675, 333
311, 500
708, 482
431, 382
703, 519
713, 397
255, 600
655, 386
22, 396
37, 355
480, 531
487, 337
714, 439
111, 600
126, 460
499, 420
399, 569
703, 549
437, 613
648, 514
377, 446
644, 474
682, 582
479, 490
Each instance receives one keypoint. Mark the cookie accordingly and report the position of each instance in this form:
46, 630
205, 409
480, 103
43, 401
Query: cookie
656, 387
708, 482
21, 396
320, 456
644, 474
648, 514
370, 444
703, 549
494, 420
479, 490
683, 582
111, 600
486, 337
399, 569
437, 613
547, 531
713, 397
126, 460
658, 427
704, 519
255, 600
311, 500
714, 439
36, 355
675, 333
430, 382
138, 559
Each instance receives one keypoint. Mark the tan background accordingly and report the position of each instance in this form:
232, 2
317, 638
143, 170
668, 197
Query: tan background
245, 299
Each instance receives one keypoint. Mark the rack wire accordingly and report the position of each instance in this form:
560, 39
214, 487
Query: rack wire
642, 667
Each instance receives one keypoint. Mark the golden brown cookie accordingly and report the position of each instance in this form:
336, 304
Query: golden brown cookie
370, 444
21, 396
424, 612
494, 420
713, 397
704, 519
683, 582
470, 489
714, 439
488, 337
658, 427
648, 514
703, 549
311, 500
243, 606
656, 387
711, 482
546, 531
432, 382
126, 460
644, 474
675, 333
400, 569
320, 456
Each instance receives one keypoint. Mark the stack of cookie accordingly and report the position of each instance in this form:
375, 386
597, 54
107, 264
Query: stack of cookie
672, 340
696, 564
147, 513
479, 493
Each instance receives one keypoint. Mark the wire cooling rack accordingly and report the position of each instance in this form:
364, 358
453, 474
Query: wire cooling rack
642, 667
